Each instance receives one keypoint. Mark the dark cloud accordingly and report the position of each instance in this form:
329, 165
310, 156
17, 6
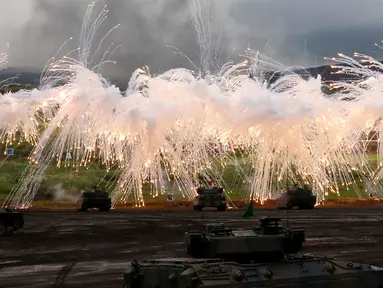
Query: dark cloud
37, 28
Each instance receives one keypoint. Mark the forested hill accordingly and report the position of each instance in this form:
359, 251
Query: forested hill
25, 76
32, 77
324, 71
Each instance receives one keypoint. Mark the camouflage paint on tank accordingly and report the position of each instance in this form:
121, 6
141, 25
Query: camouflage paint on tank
257, 257
95, 199
210, 197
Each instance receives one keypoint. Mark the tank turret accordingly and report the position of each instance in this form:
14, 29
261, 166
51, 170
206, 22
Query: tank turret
210, 197
258, 257
94, 199
268, 242
303, 198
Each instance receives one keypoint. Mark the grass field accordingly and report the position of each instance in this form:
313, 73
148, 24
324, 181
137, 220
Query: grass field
350, 191
10, 172
71, 181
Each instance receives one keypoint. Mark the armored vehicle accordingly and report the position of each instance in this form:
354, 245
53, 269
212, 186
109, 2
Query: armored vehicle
170, 199
10, 221
257, 257
95, 199
303, 198
210, 197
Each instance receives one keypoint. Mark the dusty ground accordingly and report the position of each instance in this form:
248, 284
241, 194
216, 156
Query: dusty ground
155, 204
74, 249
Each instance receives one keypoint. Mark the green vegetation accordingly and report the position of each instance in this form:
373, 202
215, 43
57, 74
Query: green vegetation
352, 191
16, 87
240, 189
11, 168
71, 181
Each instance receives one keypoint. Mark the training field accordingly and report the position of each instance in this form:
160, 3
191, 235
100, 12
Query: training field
72, 182
73, 249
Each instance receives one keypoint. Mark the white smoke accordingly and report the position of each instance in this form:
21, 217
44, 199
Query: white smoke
61, 194
184, 120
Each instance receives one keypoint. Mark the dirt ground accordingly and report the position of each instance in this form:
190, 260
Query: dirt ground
77, 249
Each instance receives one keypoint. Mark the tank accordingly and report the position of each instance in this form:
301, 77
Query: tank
10, 221
303, 198
264, 256
170, 200
95, 199
210, 197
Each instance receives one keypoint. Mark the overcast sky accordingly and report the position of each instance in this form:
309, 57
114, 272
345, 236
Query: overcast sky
35, 29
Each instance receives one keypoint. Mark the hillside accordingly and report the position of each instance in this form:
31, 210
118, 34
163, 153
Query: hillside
11, 167
28, 76
67, 182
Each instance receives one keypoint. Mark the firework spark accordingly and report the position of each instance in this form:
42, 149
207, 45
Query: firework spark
180, 126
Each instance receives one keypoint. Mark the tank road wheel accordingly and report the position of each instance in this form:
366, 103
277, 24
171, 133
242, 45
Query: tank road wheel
17, 224
84, 208
306, 207
3, 229
221, 208
197, 208
104, 209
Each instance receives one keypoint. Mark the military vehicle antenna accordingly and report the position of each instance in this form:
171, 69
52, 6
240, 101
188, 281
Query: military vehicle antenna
287, 172
288, 187
203, 218
287, 218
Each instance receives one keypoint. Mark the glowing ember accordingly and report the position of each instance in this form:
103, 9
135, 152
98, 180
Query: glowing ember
178, 125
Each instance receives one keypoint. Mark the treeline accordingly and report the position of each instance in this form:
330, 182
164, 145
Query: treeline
16, 87
12, 88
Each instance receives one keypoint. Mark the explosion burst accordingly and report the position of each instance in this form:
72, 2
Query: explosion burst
178, 125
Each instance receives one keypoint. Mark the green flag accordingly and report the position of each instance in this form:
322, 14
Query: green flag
249, 211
